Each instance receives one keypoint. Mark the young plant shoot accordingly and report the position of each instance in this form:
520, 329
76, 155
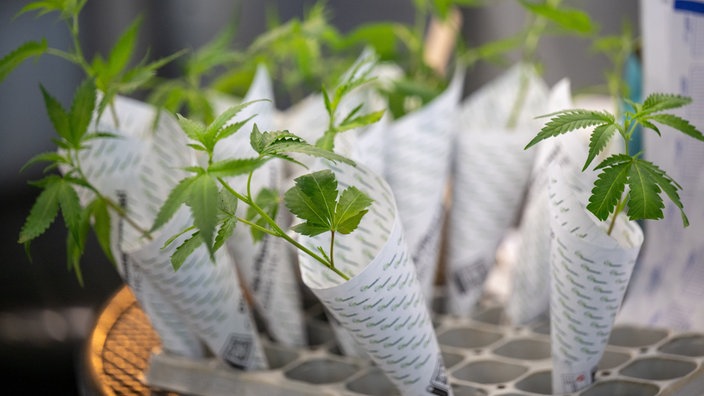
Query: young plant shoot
106, 77
645, 180
315, 198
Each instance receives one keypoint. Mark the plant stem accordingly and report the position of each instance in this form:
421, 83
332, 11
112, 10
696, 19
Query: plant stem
332, 248
618, 210
530, 47
276, 230
80, 58
117, 208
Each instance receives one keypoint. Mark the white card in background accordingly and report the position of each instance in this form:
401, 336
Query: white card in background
265, 266
668, 283
382, 305
491, 174
589, 274
418, 150
137, 171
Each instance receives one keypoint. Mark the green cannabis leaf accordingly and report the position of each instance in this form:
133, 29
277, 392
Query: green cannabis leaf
59, 192
316, 200
27, 50
625, 180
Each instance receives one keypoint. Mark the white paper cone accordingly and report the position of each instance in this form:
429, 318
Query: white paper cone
491, 175
175, 338
131, 163
589, 274
382, 305
266, 267
206, 295
137, 170
418, 150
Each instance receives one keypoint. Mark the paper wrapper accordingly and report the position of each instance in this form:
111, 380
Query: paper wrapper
266, 267
529, 278
206, 296
382, 305
165, 319
589, 274
418, 149
137, 171
491, 175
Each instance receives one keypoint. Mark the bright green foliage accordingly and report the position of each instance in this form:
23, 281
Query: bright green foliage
114, 76
567, 19
111, 75
357, 77
641, 181
314, 199
188, 93
27, 50
213, 202
300, 54
67, 9
280, 144
59, 192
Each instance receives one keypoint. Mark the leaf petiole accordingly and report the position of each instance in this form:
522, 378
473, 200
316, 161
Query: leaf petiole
276, 230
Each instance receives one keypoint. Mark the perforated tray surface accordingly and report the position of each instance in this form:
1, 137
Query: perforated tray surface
483, 357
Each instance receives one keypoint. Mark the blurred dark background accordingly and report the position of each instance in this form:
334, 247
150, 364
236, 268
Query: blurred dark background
45, 314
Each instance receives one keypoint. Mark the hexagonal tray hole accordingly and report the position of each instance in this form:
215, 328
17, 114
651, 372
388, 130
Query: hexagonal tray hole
685, 346
494, 316
489, 372
465, 337
540, 383
657, 369
373, 383
634, 337
612, 359
525, 349
318, 334
279, 357
542, 328
464, 390
622, 388
321, 371
451, 359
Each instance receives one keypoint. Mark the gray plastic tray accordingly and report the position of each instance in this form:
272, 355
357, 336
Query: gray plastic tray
483, 357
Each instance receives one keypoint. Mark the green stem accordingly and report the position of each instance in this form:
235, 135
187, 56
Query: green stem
276, 230
64, 55
530, 47
80, 58
618, 210
257, 226
117, 208
332, 248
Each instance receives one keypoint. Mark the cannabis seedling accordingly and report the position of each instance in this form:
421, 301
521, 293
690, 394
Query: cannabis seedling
213, 201
314, 198
645, 180
60, 191
110, 75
